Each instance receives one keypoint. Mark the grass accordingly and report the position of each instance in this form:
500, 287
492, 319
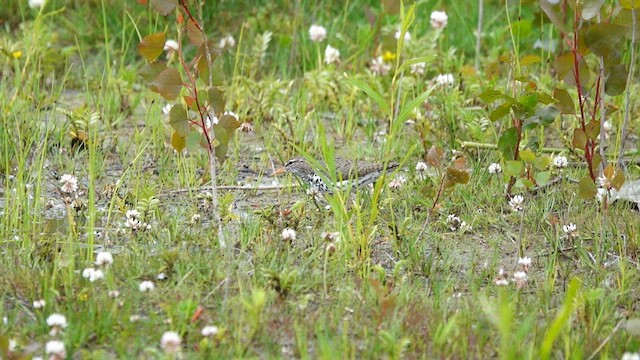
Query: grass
72, 103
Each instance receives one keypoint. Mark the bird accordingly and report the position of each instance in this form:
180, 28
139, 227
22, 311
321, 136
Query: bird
355, 173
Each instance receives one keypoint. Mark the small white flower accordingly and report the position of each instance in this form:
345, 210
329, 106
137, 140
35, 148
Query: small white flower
167, 109
630, 356
5, 320
421, 166
55, 349
524, 261
135, 318
570, 230
516, 203
227, 42
495, 168
132, 213
171, 45
288, 234
170, 342
195, 218
444, 80
379, 67
69, 183
397, 182
331, 55
210, 330
439, 19
407, 36
36, 4
104, 258
161, 276
146, 286
317, 33
520, 278
418, 68
58, 320
501, 279
12, 345
92, 274
560, 161
113, 293
39, 304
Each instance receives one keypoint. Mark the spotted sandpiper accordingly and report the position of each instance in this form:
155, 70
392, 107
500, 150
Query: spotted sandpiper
357, 173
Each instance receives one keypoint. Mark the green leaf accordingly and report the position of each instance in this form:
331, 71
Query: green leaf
216, 99
587, 189
530, 59
374, 95
194, 140
527, 155
179, 121
565, 69
164, 6
491, 95
564, 101
543, 116
591, 8
602, 38
508, 142
616, 80
178, 142
513, 167
579, 139
456, 176
630, 4
501, 111
151, 46
541, 162
542, 178
168, 84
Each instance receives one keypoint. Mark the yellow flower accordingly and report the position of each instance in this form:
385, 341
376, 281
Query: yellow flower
388, 56
16, 54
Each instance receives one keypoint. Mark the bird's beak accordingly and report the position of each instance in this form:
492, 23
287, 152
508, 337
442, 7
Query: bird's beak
279, 171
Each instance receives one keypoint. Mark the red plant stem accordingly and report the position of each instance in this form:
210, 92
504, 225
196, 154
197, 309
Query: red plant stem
183, 4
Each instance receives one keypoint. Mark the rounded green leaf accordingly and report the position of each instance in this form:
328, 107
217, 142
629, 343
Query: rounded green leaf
587, 189
151, 46
168, 84
179, 121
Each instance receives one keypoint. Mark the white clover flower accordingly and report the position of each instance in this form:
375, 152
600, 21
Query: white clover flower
570, 230
501, 279
132, 213
317, 33
407, 36
146, 286
167, 109
92, 274
439, 19
69, 183
520, 278
495, 168
456, 224
444, 80
36, 4
104, 258
379, 67
516, 203
227, 42
170, 342
171, 45
421, 166
55, 349
210, 330
524, 261
58, 320
397, 182
161, 276
39, 304
331, 55
288, 234
630, 356
418, 68
560, 161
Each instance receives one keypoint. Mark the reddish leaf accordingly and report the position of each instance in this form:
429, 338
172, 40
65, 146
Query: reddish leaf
151, 46
150, 71
168, 84
434, 156
579, 139
592, 129
164, 6
194, 33
564, 101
